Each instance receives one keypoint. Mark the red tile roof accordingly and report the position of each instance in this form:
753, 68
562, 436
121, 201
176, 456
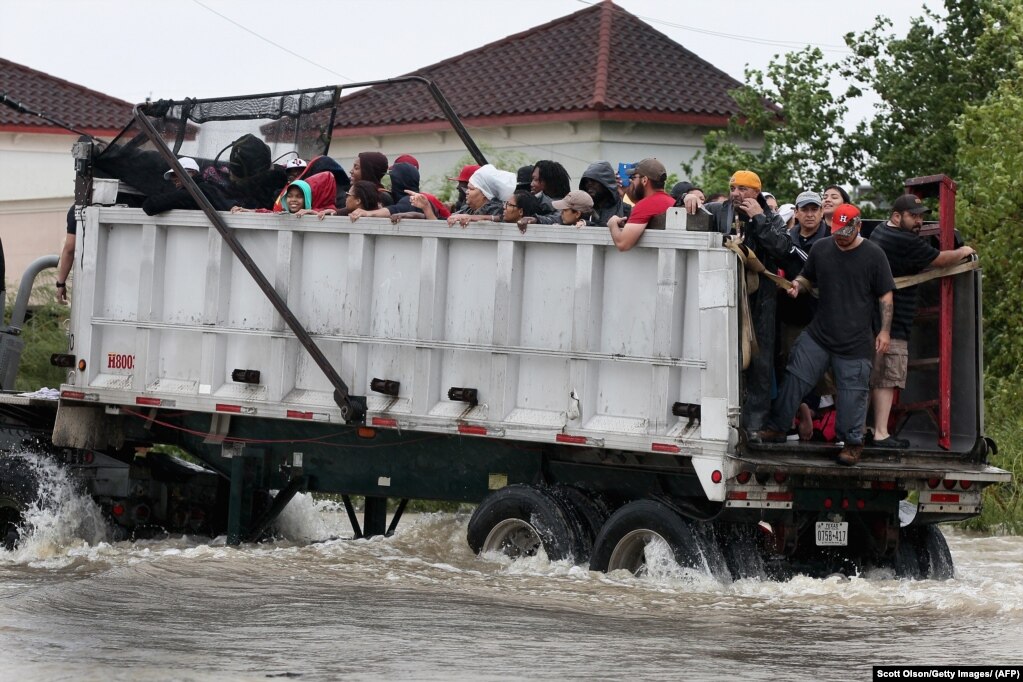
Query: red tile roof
600, 62
75, 105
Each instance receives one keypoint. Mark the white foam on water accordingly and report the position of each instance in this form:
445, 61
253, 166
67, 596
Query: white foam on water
61, 522
306, 519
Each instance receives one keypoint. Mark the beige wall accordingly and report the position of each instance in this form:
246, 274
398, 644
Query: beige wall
574, 145
30, 229
37, 176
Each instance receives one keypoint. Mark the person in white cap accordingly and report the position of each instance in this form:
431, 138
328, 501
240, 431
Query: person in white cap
190, 166
294, 168
179, 197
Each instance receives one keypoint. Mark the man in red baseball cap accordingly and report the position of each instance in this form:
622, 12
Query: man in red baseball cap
853, 278
463, 185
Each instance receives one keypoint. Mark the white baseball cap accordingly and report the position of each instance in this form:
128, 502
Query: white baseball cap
295, 163
187, 163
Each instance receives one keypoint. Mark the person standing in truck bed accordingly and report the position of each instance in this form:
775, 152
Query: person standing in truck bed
853, 278
747, 214
651, 202
907, 254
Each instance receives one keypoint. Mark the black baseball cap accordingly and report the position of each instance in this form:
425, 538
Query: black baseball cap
910, 203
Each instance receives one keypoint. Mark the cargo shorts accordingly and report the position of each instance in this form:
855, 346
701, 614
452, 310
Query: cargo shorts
890, 368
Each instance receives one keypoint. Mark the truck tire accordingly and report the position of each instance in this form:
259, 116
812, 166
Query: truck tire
622, 541
19, 488
589, 508
518, 519
923, 554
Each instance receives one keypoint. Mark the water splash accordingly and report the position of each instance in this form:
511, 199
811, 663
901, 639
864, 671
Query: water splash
60, 518
306, 519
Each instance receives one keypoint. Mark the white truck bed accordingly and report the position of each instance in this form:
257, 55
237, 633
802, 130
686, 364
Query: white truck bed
163, 313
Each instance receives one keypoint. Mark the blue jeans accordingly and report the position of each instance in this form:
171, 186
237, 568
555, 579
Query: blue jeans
807, 363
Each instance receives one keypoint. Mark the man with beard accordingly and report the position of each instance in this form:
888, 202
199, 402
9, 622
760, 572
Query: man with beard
907, 254
646, 189
746, 214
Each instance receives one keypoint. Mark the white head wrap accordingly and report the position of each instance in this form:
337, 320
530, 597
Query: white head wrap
494, 182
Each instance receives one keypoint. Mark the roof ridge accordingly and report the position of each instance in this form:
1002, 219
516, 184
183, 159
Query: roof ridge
599, 100
68, 83
516, 36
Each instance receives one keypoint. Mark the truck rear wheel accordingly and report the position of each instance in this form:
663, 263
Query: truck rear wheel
624, 539
520, 519
923, 554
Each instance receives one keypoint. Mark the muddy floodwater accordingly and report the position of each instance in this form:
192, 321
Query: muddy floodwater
315, 605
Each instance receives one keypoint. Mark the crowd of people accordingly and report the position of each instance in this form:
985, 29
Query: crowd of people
813, 363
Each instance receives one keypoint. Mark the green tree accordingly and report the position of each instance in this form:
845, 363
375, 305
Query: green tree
801, 131
925, 80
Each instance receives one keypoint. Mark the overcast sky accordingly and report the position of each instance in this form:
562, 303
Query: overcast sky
133, 49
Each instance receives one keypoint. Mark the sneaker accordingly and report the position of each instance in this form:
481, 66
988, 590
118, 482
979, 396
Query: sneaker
792, 435
850, 455
892, 442
769, 436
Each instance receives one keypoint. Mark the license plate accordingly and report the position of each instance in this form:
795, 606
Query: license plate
831, 534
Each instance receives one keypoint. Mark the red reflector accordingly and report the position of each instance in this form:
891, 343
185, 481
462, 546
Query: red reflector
737, 495
744, 476
860, 504
472, 430
89, 457
117, 509
143, 400
933, 482
665, 447
845, 503
942, 497
295, 414
565, 438
384, 421
221, 407
780, 477
715, 476
883, 485
828, 503
73, 395
965, 485
779, 497
949, 484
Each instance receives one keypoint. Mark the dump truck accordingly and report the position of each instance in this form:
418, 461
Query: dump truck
587, 401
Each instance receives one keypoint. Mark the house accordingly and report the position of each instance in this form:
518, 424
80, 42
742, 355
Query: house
37, 172
596, 84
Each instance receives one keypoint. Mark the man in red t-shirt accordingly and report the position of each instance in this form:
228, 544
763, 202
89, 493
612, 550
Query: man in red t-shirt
646, 189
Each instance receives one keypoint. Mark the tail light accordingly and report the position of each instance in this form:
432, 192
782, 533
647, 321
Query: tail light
141, 512
117, 509
965, 485
780, 477
933, 483
743, 477
949, 484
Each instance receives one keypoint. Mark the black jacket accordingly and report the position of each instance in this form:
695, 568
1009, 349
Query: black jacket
609, 203
180, 198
